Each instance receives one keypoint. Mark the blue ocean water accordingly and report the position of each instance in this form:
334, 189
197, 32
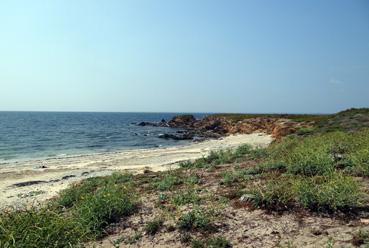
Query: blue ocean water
33, 135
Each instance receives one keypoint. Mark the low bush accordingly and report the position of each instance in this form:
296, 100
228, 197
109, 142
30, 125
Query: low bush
322, 154
328, 193
80, 214
265, 168
193, 179
106, 206
154, 226
195, 220
229, 178
278, 194
40, 228
168, 182
217, 242
225, 156
73, 194
359, 162
186, 197
318, 193
310, 162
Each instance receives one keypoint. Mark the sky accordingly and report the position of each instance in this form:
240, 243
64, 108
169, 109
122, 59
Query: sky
287, 56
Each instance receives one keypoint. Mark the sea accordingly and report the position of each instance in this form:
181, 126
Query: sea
39, 135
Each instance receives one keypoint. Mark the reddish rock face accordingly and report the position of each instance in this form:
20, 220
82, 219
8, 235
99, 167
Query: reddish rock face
274, 126
277, 127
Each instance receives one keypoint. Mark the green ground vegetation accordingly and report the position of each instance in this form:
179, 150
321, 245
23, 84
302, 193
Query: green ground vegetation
320, 171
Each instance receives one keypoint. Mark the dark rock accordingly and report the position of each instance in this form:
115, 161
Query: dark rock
184, 136
68, 176
29, 183
54, 181
162, 123
182, 121
146, 123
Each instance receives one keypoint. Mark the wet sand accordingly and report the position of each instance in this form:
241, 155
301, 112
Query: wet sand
30, 182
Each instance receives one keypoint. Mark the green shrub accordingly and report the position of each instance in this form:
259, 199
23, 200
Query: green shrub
186, 197
319, 193
278, 194
74, 194
106, 206
321, 154
225, 156
39, 228
194, 220
217, 242
168, 182
359, 162
328, 193
193, 179
198, 244
310, 162
154, 226
80, 213
265, 168
119, 178
229, 178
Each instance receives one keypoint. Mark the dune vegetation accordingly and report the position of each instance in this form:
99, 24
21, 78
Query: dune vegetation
322, 174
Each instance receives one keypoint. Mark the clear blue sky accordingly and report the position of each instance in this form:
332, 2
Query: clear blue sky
184, 56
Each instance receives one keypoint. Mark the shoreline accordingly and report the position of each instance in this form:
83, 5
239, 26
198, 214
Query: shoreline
33, 181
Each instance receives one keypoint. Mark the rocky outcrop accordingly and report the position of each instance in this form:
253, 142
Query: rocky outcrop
276, 127
216, 127
182, 121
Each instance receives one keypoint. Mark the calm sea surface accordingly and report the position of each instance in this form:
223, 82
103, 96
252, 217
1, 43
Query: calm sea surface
31, 135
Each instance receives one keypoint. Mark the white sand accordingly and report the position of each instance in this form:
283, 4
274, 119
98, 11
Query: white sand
80, 167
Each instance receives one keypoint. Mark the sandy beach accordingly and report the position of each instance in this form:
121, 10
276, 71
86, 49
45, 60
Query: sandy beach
30, 182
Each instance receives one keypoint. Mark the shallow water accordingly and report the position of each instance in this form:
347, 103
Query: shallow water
33, 135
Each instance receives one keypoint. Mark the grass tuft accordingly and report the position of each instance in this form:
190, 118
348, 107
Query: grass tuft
168, 182
217, 242
81, 213
186, 197
154, 226
195, 220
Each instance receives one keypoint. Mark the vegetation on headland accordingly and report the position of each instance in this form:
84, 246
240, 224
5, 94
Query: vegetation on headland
295, 117
347, 120
321, 172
